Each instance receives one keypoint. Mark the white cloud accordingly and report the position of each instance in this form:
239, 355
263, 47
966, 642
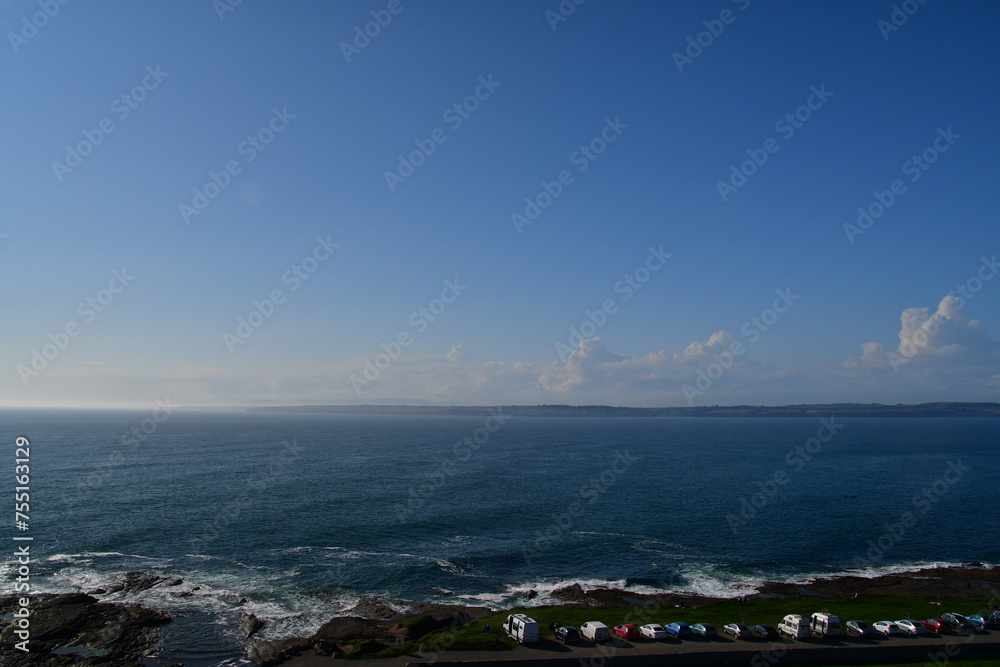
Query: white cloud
942, 339
459, 353
717, 342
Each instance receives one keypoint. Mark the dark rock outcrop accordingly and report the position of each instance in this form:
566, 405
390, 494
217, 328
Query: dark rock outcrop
268, 653
356, 635
931, 582
113, 634
351, 628
575, 595
377, 618
249, 624
369, 606
571, 593
135, 581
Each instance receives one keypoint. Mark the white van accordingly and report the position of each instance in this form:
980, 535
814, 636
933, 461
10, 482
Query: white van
795, 626
595, 631
825, 624
522, 628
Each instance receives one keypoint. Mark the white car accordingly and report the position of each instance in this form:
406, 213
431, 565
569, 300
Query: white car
887, 628
653, 631
911, 627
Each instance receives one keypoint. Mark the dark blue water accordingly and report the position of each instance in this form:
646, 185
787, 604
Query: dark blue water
300, 514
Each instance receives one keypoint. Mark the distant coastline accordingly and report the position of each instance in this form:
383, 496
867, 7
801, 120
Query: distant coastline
942, 409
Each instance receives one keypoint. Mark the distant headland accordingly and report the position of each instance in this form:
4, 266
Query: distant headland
943, 409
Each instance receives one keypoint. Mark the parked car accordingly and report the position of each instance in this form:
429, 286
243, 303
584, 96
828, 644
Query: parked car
737, 630
595, 631
956, 621
887, 628
704, 630
981, 621
627, 631
764, 632
858, 629
567, 634
909, 626
949, 623
653, 631
678, 629
933, 625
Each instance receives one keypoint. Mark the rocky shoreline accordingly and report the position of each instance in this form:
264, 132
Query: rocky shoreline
84, 630
369, 627
78, 627
971, 581
373, 624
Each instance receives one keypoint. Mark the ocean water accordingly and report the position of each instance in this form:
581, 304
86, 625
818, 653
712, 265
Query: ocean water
292, 517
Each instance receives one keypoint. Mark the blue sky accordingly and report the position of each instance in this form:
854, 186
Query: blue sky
868, 316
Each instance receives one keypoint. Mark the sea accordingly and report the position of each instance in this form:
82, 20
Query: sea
293, 517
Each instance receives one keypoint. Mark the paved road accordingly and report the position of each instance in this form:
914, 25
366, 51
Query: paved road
770, 652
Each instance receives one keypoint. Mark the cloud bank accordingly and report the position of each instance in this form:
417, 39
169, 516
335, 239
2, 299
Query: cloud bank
941, 354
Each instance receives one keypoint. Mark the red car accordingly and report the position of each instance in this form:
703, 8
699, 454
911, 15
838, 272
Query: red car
933, 625
627, 631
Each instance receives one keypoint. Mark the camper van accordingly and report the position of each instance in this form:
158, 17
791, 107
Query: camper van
795, 626
595, 631
522, 628
825, 624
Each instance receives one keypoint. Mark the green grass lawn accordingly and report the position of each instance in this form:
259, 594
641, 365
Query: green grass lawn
769, 611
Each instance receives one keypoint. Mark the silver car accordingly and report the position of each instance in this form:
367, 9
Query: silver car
911, 627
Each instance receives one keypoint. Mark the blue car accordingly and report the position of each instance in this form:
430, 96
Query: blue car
980, 621
678, 630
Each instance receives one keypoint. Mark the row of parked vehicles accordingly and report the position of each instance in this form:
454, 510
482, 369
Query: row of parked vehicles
824, 624
950, 622
794, 626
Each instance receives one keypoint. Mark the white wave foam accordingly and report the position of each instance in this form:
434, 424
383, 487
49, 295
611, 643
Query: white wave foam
352, 554
626, 536
89, 556
713, 581
491, 600
901, 568
63, 558
221, 597
117, 553
706, 580
515, 594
